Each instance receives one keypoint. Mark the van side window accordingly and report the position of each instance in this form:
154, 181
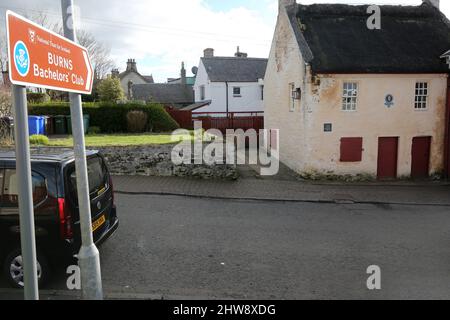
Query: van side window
40, 192
10, 190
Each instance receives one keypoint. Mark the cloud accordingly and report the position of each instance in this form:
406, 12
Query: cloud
161, 34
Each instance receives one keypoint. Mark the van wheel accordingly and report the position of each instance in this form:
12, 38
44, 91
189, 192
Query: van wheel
13, 269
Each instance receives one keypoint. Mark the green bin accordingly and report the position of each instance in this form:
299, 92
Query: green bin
69, 124
85, 123
60, 125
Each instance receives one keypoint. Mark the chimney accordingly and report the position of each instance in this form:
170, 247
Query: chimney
183, 74
115, 73
131, 65
208, 53
284, 3
240, 54
434, 3
130, 90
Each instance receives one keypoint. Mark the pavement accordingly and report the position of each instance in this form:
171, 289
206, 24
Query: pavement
290, 190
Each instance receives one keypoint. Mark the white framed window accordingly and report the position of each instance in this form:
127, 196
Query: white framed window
421, 96
350, 96
291, 97
237, 92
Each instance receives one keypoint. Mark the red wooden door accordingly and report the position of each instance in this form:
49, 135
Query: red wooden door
420, 167
387, 157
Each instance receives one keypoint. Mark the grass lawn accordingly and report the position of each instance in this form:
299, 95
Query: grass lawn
119, 140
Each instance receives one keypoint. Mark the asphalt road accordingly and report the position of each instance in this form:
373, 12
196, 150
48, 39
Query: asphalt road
178, 247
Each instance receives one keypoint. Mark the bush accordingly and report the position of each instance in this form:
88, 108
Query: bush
94, 130
111, 117
160, 120
58, 95
38, 139
137, 121
34, 97
110, 90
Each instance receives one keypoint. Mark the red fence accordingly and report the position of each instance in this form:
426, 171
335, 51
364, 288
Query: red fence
183, 118
231, 120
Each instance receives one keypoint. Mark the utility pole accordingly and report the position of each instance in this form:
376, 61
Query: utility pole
89, 257
24, 181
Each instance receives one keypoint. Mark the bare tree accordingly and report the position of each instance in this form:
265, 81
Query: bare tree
99, 53
42, 19
3, 53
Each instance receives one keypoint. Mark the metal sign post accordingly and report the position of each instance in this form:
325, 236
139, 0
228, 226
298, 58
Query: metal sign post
24, 181
89, 257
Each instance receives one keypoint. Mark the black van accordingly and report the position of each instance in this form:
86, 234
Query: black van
56, 213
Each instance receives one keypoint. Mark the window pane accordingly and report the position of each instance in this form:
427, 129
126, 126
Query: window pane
350, 96
421, 95
10, 189
10, 197
39, 189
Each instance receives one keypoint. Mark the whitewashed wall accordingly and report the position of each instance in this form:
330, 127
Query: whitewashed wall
250, 99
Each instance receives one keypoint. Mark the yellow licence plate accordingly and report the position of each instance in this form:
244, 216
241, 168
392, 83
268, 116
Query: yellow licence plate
98, 223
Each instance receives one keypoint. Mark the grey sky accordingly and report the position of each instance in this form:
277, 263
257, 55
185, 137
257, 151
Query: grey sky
161, 34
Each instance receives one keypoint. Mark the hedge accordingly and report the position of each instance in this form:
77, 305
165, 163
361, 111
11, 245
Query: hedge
35, 97
111, 117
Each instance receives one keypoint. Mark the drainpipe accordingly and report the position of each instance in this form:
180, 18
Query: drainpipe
447, 134
227, 99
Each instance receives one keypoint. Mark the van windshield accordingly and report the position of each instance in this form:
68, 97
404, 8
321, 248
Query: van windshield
97, 175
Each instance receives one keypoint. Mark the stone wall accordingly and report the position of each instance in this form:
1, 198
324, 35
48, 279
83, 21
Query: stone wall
156, 161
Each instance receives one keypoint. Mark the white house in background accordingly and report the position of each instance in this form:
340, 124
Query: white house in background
229, 84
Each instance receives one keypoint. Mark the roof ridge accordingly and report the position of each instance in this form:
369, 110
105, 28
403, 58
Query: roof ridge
424, 10
234, 58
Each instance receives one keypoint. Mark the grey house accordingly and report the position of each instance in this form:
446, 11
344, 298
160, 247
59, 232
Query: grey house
175, 95
131, 76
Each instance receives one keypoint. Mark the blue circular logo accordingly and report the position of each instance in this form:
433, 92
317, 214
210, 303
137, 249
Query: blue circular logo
21, 58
